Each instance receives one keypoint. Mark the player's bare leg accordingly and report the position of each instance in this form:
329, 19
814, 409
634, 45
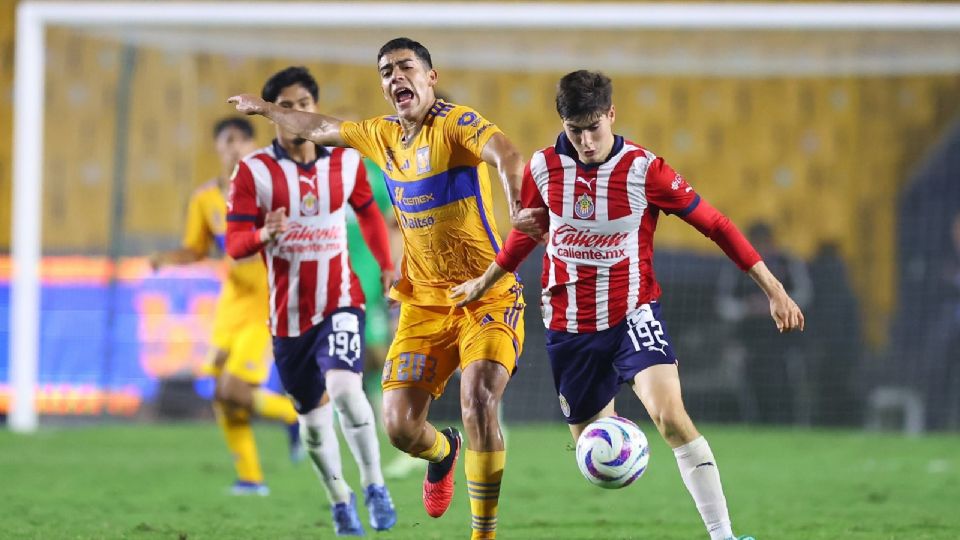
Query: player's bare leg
481, 391
658, 387
405, 416
577, 429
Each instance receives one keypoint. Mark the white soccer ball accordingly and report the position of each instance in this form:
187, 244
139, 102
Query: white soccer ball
612, 452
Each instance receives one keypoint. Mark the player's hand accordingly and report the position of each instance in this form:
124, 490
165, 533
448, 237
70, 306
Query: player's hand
156, 261
786, 313
469, 291
248, 104
387, 278
274, 224
533, 222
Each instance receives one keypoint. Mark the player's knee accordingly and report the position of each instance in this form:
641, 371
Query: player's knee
671, 421
403, 433
231, 411
341, 383
233, 398
479, 406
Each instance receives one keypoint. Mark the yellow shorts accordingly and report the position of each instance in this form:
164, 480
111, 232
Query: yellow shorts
432, 342
248, 352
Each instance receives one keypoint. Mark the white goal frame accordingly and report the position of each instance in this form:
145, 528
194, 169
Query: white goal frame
34, 16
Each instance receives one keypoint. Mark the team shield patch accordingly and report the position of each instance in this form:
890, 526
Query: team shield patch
584, 207
564, 406
423, 160
308, 205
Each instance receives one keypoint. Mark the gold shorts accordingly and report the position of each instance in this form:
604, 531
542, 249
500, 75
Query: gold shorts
433, 341
248, 353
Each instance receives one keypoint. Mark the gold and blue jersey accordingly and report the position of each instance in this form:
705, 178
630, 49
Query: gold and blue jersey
440, 190
243, 297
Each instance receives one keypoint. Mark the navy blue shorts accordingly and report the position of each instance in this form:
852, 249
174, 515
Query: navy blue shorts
589, 368
303, 361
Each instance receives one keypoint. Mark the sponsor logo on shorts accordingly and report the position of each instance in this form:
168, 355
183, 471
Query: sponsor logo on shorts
346, 322
387, 370
564, 406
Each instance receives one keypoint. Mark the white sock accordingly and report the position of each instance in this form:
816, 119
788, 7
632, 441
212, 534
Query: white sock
316, 428
357, 423
702, 478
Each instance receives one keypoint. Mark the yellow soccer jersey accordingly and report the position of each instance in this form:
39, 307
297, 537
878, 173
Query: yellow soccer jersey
440, 190
243, 298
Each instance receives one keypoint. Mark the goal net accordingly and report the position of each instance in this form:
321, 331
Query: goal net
827, 132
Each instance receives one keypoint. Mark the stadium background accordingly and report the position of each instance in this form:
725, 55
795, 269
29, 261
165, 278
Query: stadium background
852, 159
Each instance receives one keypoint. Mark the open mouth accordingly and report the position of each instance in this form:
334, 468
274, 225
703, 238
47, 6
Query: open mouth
403, 95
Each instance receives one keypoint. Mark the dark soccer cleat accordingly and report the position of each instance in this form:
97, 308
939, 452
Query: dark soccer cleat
438, 484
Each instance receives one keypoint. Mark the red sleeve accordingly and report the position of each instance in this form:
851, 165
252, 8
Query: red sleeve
718, 227
372, 226
243, 215
362, 192
667, 190
519, 245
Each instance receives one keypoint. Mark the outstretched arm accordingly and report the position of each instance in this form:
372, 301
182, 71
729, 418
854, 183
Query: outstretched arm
499, 152
174, 257
319, 128
716, 226
670, 191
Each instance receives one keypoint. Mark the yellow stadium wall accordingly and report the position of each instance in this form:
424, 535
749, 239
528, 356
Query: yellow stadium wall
792, 151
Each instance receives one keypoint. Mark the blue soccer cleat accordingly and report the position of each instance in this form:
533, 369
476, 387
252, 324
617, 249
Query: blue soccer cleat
346, 522
243, 488
741, 538
380, 507
298, 451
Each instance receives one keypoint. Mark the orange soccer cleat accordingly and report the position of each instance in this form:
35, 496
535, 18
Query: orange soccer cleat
438, 484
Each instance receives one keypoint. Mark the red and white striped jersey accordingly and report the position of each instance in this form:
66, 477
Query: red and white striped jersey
309, 268
599, 260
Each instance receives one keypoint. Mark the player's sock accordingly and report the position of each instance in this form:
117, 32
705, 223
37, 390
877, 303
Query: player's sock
274, 406
484, 471
702, 478
357, 423
316, 428
439, 451
239, 436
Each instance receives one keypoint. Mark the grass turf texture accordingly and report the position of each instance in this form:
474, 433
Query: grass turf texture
170, 481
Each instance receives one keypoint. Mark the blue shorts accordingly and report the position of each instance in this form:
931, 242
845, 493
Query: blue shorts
303, 361
589, 368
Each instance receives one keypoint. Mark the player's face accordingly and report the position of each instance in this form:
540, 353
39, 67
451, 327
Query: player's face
407, 83
232, 144
592, 137
298, 98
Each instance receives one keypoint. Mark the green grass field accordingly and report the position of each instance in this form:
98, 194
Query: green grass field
170, 481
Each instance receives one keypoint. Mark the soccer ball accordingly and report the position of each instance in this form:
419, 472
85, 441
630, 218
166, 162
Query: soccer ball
612, 452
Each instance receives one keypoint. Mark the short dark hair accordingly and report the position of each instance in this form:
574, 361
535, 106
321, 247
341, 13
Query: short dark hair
401, 43
584, 94
289, 77
233, 122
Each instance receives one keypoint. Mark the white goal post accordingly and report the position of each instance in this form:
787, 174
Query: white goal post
33, 18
